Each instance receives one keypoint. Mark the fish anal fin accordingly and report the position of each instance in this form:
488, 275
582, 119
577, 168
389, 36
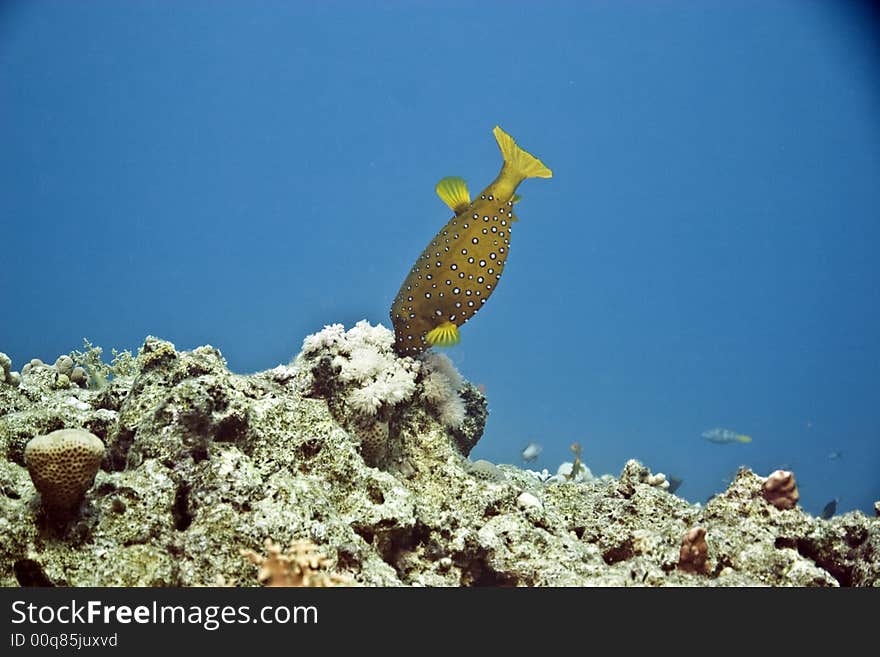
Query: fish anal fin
454, 193
444, 335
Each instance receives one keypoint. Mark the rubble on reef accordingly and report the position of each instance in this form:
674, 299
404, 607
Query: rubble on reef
361, 456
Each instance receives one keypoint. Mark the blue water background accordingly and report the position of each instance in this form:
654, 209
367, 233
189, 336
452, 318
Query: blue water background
242, 174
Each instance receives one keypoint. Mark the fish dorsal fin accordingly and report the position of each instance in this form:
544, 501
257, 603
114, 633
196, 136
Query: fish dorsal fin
454, 192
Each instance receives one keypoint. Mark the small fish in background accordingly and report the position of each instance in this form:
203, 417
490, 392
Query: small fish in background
834, 455
829, 510
531, 452
674, 483
725, 436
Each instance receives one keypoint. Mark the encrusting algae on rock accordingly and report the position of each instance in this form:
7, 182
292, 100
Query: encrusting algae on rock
203, 464
461, 266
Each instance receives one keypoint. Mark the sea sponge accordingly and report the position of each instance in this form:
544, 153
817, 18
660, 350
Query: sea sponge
64, 365
62, 465
34, 362
301, 565
694, 553
6, 374
79, 377
780, 489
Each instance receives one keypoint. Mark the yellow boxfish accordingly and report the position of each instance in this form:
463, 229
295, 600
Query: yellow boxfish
461, 266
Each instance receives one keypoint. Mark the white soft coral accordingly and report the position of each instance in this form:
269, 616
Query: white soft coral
371, 374
440, 388
366, 380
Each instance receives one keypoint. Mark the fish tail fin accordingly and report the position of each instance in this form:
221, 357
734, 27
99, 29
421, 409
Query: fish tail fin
522, 162
744, 438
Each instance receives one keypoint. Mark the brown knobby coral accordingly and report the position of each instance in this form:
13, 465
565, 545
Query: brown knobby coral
694, 553
780, 489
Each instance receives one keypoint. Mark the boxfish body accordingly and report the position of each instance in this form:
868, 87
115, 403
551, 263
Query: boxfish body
462, 265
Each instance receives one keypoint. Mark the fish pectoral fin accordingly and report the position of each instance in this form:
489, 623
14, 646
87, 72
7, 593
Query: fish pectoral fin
444, 335
454, 192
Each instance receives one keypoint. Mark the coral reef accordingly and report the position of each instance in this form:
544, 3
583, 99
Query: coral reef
202, 463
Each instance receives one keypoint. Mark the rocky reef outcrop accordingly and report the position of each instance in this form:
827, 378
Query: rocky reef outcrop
363, 455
